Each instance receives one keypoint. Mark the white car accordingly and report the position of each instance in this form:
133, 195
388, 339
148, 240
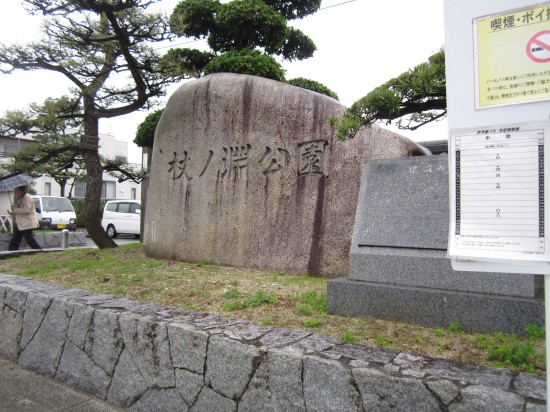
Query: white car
122, 217
55, 212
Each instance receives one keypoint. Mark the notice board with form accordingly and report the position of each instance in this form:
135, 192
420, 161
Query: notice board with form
497, 187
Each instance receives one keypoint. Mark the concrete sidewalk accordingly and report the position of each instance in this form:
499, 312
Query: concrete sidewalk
26, 391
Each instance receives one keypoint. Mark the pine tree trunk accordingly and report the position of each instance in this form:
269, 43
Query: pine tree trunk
93, 189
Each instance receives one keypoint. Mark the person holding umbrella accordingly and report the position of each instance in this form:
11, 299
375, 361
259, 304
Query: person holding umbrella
25, 220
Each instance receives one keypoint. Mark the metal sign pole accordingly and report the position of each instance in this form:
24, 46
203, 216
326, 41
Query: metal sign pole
546, 323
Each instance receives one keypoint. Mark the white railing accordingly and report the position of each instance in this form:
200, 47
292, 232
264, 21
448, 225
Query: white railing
5, 224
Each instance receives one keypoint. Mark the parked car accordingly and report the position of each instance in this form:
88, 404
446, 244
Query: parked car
55, 212
122, 217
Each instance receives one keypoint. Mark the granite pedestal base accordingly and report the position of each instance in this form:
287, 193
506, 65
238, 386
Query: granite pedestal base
475, 312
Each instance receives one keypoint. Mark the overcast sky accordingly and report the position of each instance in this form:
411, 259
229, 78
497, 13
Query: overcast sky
360, 45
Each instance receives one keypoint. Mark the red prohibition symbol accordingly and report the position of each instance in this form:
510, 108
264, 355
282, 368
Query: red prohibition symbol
538, 47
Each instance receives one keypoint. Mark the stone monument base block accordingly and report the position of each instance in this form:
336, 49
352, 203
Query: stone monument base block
432, 269
475, 312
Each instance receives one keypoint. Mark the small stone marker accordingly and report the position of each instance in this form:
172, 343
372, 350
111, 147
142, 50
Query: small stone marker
405, 205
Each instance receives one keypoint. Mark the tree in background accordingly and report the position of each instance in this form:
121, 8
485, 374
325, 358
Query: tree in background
245, 25
246, 61
145, 133
243, 35
55, 148
414, 98
313, 86
63, 165
104, 49
51, 135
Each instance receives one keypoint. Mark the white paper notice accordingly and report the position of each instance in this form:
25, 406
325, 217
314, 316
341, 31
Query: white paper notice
497, 187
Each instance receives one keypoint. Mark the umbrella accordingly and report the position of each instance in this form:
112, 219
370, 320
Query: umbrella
14, 180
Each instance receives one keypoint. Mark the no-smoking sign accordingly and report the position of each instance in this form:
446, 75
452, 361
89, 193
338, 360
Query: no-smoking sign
538, 47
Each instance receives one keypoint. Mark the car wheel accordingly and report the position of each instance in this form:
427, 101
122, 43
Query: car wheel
111, 231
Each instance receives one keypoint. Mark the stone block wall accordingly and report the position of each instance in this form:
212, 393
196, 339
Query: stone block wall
47, 240
142, 357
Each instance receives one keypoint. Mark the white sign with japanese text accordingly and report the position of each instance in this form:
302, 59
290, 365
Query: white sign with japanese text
512, 55
497, 187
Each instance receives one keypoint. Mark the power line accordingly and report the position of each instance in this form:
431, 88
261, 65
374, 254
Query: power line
179, 44
196, 40
336, 5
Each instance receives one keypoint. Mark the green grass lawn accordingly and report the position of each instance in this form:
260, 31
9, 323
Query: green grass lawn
270, 298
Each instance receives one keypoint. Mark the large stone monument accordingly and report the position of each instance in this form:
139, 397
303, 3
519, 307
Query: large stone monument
399, 268
246, 171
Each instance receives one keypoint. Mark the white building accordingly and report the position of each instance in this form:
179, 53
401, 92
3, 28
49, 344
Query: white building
109, 147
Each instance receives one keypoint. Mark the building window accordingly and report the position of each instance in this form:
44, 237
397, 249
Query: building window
80, 190
133, 194
47, 189
11, 150
108, 190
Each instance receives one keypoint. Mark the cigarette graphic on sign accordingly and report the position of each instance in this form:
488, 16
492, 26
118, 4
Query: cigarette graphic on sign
538, 47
